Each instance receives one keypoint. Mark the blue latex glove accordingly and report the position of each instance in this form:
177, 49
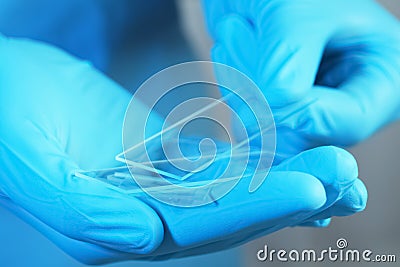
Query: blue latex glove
329, 69
59, 114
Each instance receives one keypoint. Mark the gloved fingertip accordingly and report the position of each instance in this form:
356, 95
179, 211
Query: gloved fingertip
361, 204
355, 200
147, 232
333, 165
323, 223
318, 223
316, 195
347, 162
303, 189
124, 224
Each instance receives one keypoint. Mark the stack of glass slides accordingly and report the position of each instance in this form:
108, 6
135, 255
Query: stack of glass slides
186, 170
160, 177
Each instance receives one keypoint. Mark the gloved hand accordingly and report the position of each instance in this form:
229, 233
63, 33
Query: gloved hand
60, 114
329, 69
